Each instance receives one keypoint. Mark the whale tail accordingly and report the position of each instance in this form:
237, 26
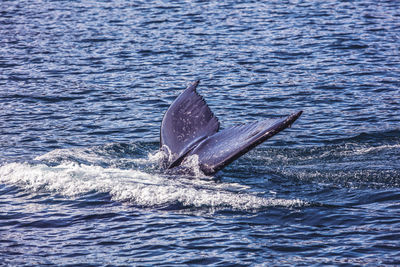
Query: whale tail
190, 128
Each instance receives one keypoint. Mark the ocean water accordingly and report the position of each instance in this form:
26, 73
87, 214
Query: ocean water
84, 86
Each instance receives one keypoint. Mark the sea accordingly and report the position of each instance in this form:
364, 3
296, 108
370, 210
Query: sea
84, 85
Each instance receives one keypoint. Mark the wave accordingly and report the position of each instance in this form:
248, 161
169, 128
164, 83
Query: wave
136, 187
355, 162
377, 137
131, 173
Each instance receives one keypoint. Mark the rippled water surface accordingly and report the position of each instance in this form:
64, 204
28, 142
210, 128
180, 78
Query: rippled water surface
84, 85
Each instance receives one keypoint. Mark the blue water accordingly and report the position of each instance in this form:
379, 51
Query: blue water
84, 85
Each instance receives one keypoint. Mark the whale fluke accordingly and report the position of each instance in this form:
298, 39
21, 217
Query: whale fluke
190, 128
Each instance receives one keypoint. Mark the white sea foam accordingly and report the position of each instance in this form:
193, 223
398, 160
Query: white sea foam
101, 156
192, 163
351, 150
67, 155
134, 186
366, 150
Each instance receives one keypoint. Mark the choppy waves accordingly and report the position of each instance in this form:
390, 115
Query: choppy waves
131, 173
80, 80
367, 160
140, 187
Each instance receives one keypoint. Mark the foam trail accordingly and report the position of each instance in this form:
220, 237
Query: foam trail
134, 186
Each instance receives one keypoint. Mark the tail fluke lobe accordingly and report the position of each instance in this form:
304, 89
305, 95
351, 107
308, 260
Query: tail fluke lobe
220, 149
187, 121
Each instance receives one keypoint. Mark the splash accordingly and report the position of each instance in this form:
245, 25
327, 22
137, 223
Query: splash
191, 163
135, 186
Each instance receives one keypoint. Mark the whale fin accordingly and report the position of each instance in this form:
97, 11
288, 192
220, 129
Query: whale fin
220, 149
187, 122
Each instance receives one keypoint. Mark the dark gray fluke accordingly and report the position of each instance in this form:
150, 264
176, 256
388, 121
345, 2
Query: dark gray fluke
190, 128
